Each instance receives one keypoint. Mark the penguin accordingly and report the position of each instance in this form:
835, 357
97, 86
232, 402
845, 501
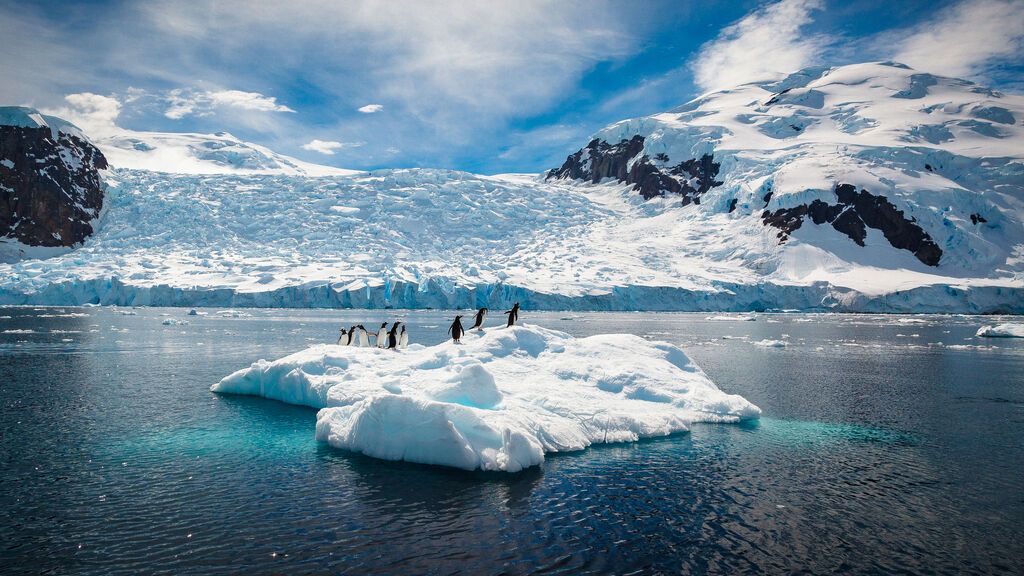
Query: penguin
513, 315
479, 324
364, 337
393, 337
382, 336
403, 338
456, 329
343, 338
351, 337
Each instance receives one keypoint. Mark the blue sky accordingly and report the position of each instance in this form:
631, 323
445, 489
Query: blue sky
478, 86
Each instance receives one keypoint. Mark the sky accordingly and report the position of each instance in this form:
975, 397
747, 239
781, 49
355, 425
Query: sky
485, 87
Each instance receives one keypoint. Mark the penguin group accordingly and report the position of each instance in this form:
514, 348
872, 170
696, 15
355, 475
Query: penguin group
397, 337
456, 330
394, 339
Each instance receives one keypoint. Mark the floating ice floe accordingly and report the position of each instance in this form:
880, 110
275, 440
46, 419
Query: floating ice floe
771, 343
1002, 331
499, 401
174, 322
736, 318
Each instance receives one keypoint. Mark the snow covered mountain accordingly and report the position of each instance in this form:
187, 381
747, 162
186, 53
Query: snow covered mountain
933, 164
186, 153
50, 185
869, 187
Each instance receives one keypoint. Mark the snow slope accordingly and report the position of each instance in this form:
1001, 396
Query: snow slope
444, 239
187, 153
500, 401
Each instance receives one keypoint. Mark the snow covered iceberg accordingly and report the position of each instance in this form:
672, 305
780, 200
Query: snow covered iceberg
500, 401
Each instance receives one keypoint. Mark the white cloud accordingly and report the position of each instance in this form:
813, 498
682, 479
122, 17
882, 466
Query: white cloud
247, 101
329, 146
965, 39
188, 102
371, 108
765, 44
93, 113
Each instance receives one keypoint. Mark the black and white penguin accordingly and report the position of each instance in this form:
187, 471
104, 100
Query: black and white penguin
403, 338
513, 315
479, 324
382, 336
351, 341
456, 330
343, 337
364, 337
393, 336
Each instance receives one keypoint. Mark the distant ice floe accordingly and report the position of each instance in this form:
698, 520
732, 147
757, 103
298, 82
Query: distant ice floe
771, 343
174, 322
1008, 330
733, 318
499, 401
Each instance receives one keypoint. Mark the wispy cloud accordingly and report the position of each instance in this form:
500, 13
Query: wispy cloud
764, 44
475, 67
370, 108
328, 146
966, 39
187, 102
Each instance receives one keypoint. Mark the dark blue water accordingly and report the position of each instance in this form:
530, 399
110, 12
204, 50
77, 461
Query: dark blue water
889, 445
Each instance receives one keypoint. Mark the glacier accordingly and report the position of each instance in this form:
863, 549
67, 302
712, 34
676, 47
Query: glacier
266, 232
499, 401
425, 238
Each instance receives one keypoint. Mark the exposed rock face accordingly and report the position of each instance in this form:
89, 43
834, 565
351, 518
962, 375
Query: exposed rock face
50, 187
627, 163
852, 215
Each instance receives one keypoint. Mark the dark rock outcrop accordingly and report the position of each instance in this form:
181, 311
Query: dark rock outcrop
50, 187
626, 163
854, 213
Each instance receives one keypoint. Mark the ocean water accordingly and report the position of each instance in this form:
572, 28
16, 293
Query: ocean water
889, 444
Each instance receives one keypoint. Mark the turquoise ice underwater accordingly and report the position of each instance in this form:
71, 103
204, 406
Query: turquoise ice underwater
880, 449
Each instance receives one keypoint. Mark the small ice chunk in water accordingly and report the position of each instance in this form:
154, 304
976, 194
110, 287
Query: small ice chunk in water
1008, 330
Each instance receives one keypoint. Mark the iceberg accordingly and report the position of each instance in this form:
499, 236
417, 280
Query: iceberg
1002, 331
499, 401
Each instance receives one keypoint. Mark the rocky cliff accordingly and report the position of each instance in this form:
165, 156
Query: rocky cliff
50, 185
